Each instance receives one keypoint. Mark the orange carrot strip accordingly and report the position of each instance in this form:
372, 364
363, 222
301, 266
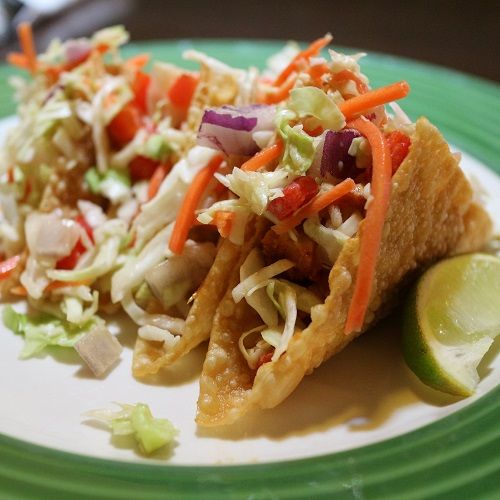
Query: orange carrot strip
313, 50
19, 290
317, 71
7, 266
373, 225
349, 75
25, 34
318, 203
224, 221
156, 180
54, 285
264, 156
280, 93
187, 212
17, 59
364, 102
136, 63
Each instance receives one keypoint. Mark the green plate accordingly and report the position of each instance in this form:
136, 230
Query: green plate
455, 457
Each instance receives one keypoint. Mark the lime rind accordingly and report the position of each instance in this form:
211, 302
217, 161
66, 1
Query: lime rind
437, 348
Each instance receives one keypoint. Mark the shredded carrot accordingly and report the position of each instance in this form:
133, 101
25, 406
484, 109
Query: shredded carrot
25, 34
54, 285
7, 266
369, 100
318, 203
17, 59
156, 179
187, 212
280, 93
313, 50
349, 75
136, 63
19, 290
264, 156
224, 221
373, 225
317, 71
102, 48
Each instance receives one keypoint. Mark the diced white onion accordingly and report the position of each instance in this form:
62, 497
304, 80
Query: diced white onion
99, 349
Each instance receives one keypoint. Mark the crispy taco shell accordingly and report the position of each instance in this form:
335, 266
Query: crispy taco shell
431, 215
150, 356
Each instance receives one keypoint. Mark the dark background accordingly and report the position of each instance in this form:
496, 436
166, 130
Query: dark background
464, 35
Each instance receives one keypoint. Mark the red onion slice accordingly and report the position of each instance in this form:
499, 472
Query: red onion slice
228, 120
230, 129
77, 51
336, 159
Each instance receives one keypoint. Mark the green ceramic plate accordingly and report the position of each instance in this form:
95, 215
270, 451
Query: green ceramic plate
453, 457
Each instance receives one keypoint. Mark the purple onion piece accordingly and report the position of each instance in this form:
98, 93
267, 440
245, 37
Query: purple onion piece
226, 120
336, 160
227, 140
76, 50
230, 129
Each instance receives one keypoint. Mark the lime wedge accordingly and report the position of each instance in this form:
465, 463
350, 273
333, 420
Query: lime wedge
450, 320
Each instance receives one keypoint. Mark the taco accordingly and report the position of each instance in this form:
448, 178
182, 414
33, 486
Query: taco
176, 274
348, 203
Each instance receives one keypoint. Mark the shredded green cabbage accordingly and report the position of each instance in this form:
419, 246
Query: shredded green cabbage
44, 330
112, 36
330, 240
75, 311
109, 238
313, 102
157, 148
113, 184
137, 420
299, 146
256, 189
258, 299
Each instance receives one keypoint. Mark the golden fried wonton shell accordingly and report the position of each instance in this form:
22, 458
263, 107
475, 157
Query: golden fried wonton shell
150, 356
431, 215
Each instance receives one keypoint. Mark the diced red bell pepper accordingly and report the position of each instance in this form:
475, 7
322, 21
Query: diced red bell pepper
80, 219
399, 145
182, 90
70, 261
296, 194
140, 89
125, 125
142, 168
265, 358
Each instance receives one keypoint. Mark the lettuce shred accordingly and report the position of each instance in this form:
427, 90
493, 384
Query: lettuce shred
44, 330
137, 420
